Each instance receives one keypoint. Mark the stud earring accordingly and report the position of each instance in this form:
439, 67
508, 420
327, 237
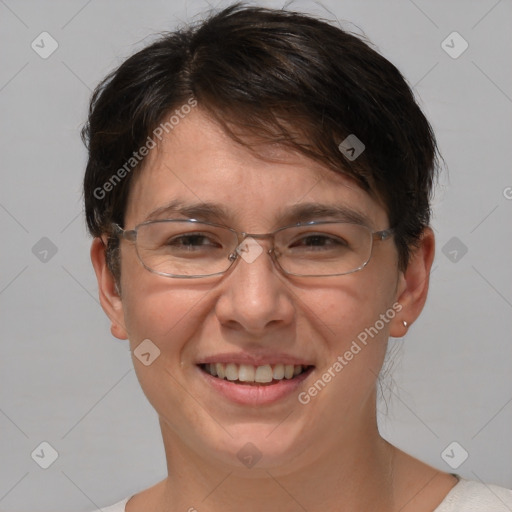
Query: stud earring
405, 324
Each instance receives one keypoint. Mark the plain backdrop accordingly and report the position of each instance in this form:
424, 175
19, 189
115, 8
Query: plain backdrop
65, 381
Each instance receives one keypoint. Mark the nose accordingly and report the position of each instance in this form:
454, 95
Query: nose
255, 297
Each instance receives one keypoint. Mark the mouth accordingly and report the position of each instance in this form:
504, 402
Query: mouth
263, 375
255, 385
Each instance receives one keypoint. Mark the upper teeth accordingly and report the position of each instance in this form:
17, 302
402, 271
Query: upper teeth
250, 373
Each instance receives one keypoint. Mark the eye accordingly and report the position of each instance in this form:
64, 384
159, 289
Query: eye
193, 241
318, 241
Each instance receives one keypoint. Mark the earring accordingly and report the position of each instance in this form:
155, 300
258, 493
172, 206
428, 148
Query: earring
405, 324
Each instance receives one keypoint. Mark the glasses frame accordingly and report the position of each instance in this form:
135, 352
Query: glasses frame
131, 236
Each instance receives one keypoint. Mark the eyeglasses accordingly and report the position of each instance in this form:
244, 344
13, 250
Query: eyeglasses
192, 249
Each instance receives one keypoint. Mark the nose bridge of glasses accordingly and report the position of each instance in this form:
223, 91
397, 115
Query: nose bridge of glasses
250, 242
257, 236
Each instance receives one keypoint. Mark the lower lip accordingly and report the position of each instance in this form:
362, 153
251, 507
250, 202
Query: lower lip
247, 394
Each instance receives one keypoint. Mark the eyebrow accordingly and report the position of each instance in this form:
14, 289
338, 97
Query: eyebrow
301, 212
305, 212
200, 211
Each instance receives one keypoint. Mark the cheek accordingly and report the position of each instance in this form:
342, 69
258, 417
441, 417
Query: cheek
345, 310
352, 320
349, 322
161, 309
168, 316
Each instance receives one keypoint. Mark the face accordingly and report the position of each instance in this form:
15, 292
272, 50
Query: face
253, 314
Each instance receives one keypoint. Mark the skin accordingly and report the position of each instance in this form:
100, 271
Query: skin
315, 456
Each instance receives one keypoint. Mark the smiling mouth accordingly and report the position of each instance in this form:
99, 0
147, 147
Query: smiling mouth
254, 375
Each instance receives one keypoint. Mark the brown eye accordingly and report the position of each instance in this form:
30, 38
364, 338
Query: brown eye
317, 240
191, 241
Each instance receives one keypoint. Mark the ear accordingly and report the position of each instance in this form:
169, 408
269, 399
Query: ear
110, 299
413, 284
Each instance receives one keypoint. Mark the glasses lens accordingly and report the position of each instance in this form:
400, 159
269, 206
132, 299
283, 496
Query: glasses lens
185, 248
323, 249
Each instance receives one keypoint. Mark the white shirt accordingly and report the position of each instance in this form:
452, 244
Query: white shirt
466, 496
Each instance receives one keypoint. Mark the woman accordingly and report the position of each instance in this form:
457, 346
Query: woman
258, 191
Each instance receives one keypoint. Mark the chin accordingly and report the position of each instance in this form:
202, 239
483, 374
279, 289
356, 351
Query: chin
258, 446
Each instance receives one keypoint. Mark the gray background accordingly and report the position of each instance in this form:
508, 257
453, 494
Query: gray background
65, 380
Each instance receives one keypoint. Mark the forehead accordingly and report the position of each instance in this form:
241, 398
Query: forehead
198, 163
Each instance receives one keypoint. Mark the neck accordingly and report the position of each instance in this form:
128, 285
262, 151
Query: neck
352, 473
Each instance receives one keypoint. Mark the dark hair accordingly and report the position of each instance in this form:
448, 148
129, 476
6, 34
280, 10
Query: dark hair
281, 75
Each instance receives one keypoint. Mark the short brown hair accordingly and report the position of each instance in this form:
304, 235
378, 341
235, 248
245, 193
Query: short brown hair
275, 74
